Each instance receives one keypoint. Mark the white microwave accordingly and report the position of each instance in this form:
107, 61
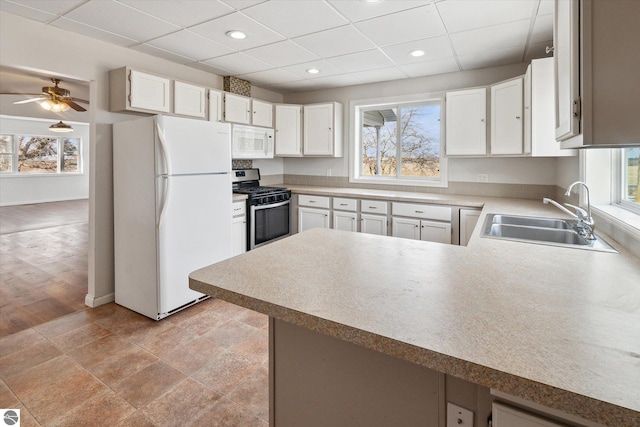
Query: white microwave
251, 142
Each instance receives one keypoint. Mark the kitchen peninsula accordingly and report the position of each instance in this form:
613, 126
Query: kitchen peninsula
557, 327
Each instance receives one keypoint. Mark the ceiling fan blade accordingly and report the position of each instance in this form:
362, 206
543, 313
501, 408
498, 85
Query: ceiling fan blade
84, 101
21, 93
73, 105
25, 101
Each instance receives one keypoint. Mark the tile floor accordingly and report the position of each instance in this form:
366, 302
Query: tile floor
204, 366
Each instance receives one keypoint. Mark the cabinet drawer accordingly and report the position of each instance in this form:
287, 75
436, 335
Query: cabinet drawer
239, 208
314, 201
345, 204
373, 206
439, 213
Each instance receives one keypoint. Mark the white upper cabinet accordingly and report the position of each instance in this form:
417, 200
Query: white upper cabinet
322, 130
132, 90
237, 109
539, 114
261, 113
597, 92
466, 122
507, 119
189, 100
215, 105
288, 130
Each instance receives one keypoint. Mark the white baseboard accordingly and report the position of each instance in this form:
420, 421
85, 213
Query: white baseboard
94, 302
35, 202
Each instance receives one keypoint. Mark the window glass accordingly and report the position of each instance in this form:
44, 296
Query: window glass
631, 175
37, 154
6, 153
400, 141
70, 155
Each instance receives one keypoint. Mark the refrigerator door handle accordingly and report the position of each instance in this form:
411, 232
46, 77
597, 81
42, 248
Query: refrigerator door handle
163, 152
166, 184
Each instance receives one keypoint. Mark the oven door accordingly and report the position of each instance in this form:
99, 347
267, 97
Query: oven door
268, 223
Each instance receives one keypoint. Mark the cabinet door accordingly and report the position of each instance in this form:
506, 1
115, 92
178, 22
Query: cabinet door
567, 74
406, 228
237, 108
347, 221
373, 224
261, 113
239, 235
215, 106
189, 100
507, 119
432, 231
505, 416
312, 218
318, 130
150, 92
466, 124
289, 130
468, 221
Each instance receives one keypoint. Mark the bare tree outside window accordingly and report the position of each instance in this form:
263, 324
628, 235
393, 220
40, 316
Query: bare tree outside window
70, 155
37, 154
401, 141
6, 153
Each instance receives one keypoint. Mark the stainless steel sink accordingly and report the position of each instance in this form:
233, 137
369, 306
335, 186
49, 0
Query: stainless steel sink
547, 231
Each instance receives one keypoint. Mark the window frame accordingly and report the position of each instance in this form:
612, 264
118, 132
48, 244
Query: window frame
619, 182
15, 161
355, 147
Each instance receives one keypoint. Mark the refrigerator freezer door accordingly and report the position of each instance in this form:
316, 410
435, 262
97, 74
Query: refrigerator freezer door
194, 231
189, 146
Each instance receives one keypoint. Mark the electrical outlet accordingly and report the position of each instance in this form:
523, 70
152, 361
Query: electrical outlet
457, 416
482, 177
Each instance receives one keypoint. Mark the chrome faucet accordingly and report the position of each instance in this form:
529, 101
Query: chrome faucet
585, 224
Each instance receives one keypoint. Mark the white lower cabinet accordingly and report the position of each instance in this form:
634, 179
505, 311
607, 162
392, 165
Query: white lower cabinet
506, 416
468, 221
312, 218
347, 221
431, 231
406, 228
239, 228
373, 224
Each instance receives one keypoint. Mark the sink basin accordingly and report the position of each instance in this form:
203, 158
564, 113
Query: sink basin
546, 231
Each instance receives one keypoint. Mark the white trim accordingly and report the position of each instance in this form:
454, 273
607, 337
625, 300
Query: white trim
94, 302
32, 202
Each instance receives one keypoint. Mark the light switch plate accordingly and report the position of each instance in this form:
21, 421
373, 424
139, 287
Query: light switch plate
457, 416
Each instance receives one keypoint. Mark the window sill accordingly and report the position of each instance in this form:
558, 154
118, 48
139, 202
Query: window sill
401, 182
621, 224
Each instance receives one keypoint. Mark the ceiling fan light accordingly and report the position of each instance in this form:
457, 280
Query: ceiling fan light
54, 106
60, 127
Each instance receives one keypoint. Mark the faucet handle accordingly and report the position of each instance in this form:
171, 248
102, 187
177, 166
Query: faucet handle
581, 213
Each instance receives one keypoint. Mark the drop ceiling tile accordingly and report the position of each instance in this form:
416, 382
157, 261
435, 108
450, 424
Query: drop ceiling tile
491, 38
257, 34
298, 86
191, 45
161, 53
95, 33
464, 15
238, 63
335, 42
429, 68
282, 54
414, 24
434, 48
209, 68
491, 58
268, 77
26, 11
326, 69
546, 7
184, 14
339, 80
310, 16
361, 61
57, 7
542, 29
241, 4
357, 10
122, 20
379, 75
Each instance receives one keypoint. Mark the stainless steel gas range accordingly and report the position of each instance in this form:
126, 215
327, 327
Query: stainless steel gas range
267, 207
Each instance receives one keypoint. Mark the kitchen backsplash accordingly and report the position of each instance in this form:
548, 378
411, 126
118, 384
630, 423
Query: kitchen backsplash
241, 164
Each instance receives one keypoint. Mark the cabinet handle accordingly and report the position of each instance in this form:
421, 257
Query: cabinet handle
312, 201
518, 117
372, 207
343, 204
419, 211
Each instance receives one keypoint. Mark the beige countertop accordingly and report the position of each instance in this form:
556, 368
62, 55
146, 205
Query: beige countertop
239, 197
557, 326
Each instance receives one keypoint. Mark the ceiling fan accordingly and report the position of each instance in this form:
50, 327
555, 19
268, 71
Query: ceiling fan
53, 98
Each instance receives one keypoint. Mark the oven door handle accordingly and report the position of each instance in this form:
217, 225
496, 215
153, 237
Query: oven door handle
270, 205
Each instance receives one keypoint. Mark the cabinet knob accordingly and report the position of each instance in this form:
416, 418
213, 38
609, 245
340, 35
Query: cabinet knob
518, 117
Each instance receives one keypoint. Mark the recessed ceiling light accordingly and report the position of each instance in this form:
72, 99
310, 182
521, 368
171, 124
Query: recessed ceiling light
313, 71
235, 34
416, 52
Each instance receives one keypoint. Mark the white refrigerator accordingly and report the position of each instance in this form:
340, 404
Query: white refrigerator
172, 209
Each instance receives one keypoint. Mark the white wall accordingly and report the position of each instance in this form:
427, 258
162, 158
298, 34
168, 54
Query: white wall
26, 189
24, 45
500, 170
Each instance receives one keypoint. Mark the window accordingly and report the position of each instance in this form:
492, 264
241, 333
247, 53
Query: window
630, 179
398, 142
39, 154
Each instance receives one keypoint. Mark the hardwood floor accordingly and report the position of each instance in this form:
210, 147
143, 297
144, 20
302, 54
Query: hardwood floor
43, 263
